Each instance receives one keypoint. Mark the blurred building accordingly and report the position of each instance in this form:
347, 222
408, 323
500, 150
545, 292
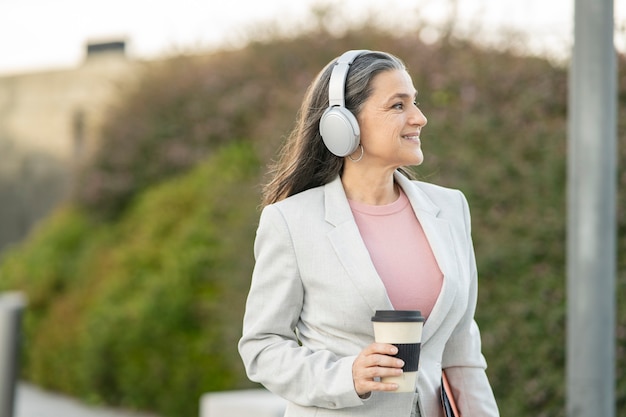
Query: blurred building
48, 126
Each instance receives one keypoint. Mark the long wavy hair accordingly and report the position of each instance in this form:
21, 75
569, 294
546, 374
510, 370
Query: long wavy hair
304, 162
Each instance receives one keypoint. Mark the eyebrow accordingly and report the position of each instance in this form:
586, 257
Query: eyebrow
402, 96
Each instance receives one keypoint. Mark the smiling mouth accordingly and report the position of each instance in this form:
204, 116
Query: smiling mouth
415, 138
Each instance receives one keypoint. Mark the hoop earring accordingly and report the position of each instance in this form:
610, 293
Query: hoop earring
360, 157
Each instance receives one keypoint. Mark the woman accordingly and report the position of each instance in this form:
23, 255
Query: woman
344, 232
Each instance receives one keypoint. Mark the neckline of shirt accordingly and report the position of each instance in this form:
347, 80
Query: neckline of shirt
381, 210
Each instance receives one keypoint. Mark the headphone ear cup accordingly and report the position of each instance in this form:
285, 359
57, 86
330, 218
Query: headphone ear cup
340, 131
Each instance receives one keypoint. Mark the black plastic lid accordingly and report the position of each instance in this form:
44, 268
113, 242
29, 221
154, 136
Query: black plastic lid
398, 316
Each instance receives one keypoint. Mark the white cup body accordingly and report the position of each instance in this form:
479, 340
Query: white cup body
406, 382
399, 333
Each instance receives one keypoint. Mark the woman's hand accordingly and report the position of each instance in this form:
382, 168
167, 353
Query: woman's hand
374, 361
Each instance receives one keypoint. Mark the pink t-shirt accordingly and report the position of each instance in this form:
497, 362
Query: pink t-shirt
401, 253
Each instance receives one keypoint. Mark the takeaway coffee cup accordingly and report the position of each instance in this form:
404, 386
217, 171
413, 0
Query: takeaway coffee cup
403, 329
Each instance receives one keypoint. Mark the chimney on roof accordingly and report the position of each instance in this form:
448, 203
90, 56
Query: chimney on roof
108, 49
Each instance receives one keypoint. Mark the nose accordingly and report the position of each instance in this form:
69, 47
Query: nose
418, 118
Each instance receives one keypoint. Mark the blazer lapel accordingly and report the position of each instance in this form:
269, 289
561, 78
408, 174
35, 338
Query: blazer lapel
439, 236
350, 248
354, 256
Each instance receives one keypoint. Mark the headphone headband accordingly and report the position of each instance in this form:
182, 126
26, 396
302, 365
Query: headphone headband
337, 84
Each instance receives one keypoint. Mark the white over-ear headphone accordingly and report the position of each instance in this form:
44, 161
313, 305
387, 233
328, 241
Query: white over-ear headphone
338, 126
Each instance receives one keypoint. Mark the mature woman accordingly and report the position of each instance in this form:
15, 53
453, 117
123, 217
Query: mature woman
345, 232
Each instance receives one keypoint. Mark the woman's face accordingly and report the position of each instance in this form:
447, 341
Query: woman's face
391, 122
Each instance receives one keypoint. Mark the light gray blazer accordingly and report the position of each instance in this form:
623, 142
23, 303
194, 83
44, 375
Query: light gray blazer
314, 289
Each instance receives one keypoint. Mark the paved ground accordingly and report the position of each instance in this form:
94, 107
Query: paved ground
244, 403
34, 402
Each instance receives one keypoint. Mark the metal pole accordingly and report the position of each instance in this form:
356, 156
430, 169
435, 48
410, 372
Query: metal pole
11, 307
591, 224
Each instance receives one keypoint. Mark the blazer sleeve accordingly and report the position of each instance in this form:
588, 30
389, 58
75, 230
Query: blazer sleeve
462, 359
269, 347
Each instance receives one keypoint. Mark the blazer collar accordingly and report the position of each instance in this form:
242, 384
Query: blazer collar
352, 252
338, 209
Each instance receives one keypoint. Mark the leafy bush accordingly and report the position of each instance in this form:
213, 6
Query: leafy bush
497, 132
174, 113
155, 293
144, 312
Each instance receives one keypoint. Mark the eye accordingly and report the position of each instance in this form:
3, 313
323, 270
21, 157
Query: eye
398, 106
416, 103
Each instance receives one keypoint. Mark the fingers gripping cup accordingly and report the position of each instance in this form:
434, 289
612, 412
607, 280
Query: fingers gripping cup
403, 329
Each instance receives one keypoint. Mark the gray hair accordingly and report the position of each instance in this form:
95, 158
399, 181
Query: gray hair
304, 161
361, 73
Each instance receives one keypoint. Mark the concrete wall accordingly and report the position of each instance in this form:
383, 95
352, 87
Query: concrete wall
31, 184
48, 126
244, 403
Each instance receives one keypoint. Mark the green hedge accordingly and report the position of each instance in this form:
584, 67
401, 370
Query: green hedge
141, 304
145, 311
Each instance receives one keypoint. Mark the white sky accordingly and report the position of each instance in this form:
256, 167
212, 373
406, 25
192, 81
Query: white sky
42, 34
